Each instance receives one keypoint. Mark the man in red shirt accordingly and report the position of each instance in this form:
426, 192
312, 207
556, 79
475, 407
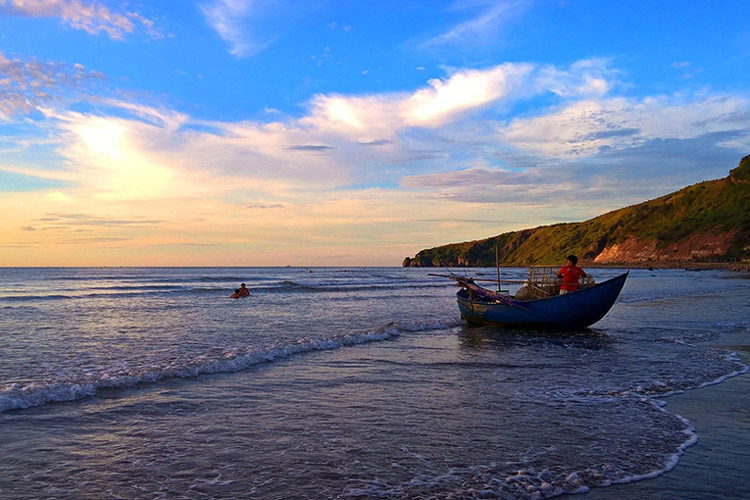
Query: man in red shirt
570, 274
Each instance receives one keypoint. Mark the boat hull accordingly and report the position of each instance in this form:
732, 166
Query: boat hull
570, 311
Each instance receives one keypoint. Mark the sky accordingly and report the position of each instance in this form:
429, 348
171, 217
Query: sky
350, 133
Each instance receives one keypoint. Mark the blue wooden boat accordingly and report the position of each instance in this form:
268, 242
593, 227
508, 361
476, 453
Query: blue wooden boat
573, 310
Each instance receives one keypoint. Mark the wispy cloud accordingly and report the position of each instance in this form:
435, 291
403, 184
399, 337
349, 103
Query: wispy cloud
91, 17
474, 177
141, 152
585, 78
586, 127
359, 167
378, 142
231, 19
264, 206
604, 153
84, 219
309, 147
27, 84
488, 19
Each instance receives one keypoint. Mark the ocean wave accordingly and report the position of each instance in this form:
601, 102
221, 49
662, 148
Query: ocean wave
98, 278
285, 286
521, 480
327, 287
725, 364
741, 370
24, 298
117, 292
18, 396
528, 478
230, 279
136, 287
163, 278
629, 296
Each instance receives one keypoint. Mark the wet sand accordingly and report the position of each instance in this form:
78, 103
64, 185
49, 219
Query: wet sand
718, 466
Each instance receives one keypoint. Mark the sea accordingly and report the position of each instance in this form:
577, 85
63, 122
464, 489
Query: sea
342, 383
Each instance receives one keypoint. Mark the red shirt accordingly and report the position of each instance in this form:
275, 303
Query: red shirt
570, 277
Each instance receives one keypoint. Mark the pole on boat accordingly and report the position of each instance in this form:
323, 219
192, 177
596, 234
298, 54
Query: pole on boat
497, 264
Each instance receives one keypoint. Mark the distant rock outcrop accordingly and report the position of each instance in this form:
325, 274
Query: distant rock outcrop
706, 222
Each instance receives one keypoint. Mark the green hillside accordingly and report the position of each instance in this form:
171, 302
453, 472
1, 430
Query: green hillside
706, 222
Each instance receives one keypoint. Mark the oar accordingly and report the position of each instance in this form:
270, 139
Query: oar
496, 296
495, 281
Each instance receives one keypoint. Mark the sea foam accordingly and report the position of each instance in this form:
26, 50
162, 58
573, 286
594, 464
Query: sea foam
26, 395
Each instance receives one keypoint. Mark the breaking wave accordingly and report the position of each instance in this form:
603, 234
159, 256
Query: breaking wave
21, 395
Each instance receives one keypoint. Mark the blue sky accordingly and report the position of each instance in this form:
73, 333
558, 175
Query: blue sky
266, 132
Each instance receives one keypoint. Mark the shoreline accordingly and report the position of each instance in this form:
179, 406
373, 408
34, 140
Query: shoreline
717, 466
688, 266
737, 267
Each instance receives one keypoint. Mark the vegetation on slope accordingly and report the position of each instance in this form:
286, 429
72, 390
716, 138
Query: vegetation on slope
708, 221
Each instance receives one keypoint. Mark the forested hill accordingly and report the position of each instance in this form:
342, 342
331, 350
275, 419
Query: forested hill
705, 222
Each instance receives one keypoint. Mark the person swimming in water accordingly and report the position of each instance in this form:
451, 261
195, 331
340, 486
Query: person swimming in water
242, 291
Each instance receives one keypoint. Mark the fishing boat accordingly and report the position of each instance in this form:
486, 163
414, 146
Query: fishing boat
538, 303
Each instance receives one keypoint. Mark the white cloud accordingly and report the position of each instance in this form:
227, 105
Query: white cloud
587, 78
465, 92
345, 140
442, 100
116, 158
91, 17
231, 19
381, 116
484, 26
584, 128
592, 155
342, 140
137, 151
446, 145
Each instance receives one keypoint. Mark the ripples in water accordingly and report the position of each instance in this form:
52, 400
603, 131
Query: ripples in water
331, 384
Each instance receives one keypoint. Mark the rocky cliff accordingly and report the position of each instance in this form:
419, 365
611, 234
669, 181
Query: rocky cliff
706, 222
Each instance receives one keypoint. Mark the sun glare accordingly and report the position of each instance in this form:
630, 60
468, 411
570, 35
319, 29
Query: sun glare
103, 138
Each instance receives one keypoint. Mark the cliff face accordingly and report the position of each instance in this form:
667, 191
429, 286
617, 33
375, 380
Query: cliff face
699, 247
706, 222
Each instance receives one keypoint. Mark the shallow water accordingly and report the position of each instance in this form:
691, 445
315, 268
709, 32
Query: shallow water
340, 383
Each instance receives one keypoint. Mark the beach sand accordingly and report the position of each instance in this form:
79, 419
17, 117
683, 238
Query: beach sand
718, 466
